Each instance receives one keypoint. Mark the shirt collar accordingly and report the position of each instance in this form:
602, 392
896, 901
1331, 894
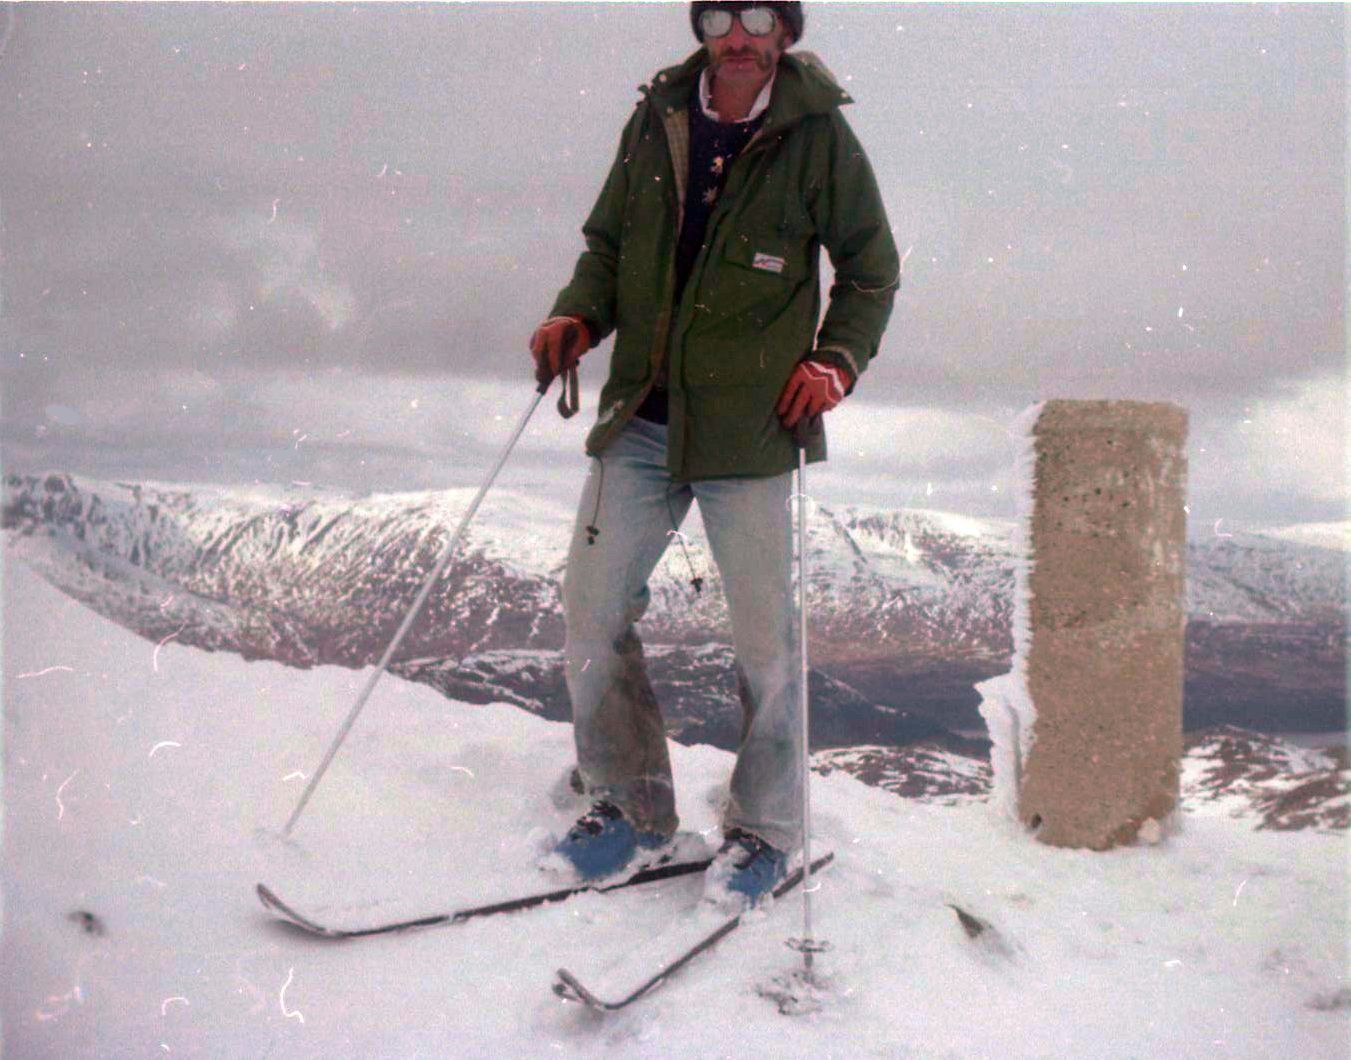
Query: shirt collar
760, 105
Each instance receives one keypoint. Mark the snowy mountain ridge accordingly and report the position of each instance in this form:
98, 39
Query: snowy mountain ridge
909, 607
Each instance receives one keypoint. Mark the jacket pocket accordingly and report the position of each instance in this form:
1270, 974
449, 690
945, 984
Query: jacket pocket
758, 275
748, 361
769, 256
753, 318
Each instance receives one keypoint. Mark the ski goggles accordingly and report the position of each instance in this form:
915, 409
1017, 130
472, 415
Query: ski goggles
756, 21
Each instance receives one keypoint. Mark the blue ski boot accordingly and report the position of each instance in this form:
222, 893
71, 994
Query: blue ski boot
604, 843
745, 870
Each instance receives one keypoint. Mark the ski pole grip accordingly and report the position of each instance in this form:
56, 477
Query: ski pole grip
806, 431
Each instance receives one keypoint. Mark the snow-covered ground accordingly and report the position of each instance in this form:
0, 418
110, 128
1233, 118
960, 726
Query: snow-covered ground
145, 785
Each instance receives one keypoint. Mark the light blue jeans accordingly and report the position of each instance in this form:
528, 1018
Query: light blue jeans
621, 744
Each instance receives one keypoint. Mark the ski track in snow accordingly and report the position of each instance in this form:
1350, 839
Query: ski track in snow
1222, 941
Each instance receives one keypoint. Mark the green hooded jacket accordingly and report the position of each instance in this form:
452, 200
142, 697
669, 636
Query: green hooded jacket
750, 309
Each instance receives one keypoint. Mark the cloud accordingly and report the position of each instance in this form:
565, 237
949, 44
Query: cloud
1290, 449
1282, 462
238, 228
283, 258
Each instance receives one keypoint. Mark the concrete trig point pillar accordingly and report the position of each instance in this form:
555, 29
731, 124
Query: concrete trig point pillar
1095, 699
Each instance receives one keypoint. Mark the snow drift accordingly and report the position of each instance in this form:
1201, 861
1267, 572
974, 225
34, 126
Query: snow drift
142, 782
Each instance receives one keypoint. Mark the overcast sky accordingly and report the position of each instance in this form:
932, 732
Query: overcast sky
307, 243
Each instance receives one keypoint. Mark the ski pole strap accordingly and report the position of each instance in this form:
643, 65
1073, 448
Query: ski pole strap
568, 402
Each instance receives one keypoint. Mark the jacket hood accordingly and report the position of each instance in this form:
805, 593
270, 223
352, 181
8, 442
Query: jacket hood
802, 86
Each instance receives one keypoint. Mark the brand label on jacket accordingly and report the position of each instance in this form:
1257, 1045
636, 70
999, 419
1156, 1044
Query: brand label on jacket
768, 262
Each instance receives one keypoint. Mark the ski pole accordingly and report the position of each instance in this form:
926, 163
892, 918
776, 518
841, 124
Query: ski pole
803, 434
441, 564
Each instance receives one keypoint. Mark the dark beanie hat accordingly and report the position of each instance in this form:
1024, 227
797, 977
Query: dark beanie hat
791, 13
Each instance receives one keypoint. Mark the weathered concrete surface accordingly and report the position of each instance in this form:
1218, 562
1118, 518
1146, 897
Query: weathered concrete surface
1107, 584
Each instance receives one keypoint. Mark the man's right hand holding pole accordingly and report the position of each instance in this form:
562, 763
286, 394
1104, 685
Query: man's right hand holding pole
557, 346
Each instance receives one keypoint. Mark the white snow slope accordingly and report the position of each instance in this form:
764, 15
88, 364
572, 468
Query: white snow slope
145, 785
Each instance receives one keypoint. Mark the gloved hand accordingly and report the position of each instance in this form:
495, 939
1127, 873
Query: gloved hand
813, 388
557, 345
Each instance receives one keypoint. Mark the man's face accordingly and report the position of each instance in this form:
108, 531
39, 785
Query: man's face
741, 58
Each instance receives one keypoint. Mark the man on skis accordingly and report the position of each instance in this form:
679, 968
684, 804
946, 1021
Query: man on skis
702, 256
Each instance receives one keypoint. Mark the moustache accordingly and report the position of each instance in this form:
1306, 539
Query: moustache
761, 61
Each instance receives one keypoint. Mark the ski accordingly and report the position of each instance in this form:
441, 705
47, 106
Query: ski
288, 914
570, 988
